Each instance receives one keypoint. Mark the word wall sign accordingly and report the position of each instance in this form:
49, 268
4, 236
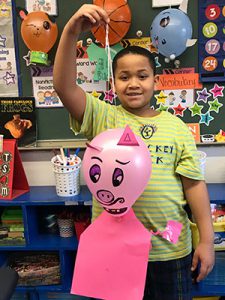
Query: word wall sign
211, 43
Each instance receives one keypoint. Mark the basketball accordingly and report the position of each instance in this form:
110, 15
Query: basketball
120, 20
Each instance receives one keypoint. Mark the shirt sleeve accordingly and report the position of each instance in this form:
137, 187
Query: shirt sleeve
94, 119
189, 160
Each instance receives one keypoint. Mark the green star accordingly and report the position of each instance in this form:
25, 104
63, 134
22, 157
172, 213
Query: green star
162, 108
215, 105
196, 109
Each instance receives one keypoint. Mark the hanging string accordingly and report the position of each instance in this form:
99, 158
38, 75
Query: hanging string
108, 52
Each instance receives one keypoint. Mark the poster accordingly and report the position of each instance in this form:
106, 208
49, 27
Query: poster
18, 120
8, 68
48, 6
43, 90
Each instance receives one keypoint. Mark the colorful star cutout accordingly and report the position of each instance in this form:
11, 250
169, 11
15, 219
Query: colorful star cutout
27, 59
215, 105
206, 118
162, 108
161, 98
9, 78
203, 95
109, 96
217, 90
2, 41
179, 110
96, 94
196, 109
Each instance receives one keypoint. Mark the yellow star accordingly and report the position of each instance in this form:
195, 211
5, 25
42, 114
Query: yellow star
161, 98
96, 94
5, 10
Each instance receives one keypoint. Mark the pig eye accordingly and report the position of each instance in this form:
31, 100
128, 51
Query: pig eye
95, 173
117, 177
46, 25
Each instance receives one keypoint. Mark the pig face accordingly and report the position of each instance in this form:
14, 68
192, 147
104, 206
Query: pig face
117, 167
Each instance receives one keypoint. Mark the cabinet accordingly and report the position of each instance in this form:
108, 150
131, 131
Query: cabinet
214, 283
37, 241
40, 199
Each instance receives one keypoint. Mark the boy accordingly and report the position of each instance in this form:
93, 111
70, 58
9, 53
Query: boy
176, 177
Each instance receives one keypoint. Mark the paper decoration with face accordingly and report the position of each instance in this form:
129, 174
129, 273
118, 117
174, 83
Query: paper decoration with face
39, 32
112, 256
117, 166
171, 31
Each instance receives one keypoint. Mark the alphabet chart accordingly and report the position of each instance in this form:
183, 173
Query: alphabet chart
211, 42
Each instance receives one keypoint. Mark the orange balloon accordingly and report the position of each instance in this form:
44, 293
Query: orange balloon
120, 21
39, 33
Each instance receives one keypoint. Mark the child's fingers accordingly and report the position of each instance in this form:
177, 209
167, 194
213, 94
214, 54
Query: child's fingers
96, 14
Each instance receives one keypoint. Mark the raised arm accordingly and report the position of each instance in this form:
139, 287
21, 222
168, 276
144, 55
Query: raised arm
65, 70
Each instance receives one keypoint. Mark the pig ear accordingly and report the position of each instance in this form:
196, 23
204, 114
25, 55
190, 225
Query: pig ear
94, 147
128, 138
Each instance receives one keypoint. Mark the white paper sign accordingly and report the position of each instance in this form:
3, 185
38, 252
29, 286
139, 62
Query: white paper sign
162, 3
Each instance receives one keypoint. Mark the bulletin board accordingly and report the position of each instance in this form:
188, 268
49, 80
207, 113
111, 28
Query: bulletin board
53, 123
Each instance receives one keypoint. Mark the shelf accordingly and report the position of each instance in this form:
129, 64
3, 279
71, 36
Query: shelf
46, 195
53, 242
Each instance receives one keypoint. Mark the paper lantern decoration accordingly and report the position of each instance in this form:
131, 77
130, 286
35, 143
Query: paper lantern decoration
117, 167
120, 20
171, 32
39, 33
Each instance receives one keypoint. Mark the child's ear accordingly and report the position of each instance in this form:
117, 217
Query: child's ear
156, 80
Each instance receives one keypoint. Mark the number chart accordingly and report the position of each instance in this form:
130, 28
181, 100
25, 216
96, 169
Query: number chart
211, 43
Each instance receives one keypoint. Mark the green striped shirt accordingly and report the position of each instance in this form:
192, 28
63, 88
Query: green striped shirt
173, 153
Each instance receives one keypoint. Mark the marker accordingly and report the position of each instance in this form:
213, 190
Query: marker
63, 157
76, 152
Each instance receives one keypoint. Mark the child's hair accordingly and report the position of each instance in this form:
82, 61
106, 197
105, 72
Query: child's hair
134, 50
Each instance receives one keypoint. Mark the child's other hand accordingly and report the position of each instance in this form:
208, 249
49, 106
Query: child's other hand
204, 255
86, 17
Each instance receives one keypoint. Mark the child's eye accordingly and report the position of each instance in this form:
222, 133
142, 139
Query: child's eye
143, 76
123, 78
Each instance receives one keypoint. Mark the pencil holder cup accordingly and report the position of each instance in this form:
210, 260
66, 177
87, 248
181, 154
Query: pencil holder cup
66, 228
67, 177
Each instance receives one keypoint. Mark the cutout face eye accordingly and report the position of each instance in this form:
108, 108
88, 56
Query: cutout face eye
165, 22
95, 173
46, 25
117, 177
163, 41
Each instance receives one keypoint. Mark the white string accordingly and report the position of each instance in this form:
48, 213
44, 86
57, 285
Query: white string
107, 49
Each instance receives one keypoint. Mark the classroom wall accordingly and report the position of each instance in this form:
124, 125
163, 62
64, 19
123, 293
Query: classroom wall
38, 167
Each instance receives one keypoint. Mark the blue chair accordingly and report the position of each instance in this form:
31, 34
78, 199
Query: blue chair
8, 282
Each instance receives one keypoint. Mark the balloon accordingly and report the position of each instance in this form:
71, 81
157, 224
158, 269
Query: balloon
39, 33
170, 31
120, 20
117, 167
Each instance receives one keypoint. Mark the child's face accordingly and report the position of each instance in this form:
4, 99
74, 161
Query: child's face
134, 82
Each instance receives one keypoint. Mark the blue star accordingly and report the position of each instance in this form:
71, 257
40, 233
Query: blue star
206, 118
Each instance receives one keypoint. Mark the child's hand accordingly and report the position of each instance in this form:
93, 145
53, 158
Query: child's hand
205, 256
87, 17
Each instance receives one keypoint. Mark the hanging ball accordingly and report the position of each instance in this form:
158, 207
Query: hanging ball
120, 20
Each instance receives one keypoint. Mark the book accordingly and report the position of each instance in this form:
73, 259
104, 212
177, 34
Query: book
18, 120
